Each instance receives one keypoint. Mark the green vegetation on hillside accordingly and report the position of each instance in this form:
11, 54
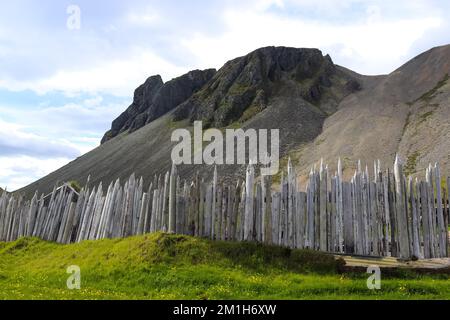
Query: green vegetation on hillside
75, 185
162, 266
427, 96
411, 163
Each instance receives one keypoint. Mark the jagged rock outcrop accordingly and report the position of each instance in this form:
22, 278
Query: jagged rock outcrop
155, 98
243, 86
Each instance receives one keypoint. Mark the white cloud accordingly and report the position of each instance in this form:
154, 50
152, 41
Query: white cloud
93, 102
148, 16
19, 171
372, 45
91, 117
15, 141
117, 76
33, 143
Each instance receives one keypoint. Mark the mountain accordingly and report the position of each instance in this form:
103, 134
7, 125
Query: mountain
245, 86
155, 98
405, 112
322, 110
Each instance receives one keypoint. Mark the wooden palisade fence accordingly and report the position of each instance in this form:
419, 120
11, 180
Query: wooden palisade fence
387, 214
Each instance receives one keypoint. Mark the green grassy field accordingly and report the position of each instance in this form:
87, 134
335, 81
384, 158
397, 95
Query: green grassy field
161, 266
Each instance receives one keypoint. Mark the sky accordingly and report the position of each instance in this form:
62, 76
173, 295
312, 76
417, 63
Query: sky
68, 68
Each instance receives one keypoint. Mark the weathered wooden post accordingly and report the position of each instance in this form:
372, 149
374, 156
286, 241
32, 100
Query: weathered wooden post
172, 199
241, 212
381, 210
276, 198
408, 217
154, 218
137, 205
196, 203
31, 214
267, 209
105, 211
143, 213
316, 210
425, 220
378, 180
257, 213
301, 220
86, 216
310, 211
248, 225
193, 209
235, 212
165, 204
415, 220
69, 225
442, 227
358, 212
230, 218
201, 208
148, 216
291, 190
282, 236
323, 242
374, 219
213, 203
431, 211
401, 210
207, 210
332, 207
181, 206
339, 208
348, 221
263, 208
178, 206
329, 212
366, 210
448, 213
218, 224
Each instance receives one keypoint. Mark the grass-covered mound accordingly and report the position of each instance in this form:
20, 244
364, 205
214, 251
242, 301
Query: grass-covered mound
162, 266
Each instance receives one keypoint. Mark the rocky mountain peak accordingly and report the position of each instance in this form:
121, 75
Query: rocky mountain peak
244, 86
155, 98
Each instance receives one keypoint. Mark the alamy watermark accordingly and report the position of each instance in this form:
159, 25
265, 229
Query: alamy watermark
74, 280
74, 18
374, 281
190, 150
